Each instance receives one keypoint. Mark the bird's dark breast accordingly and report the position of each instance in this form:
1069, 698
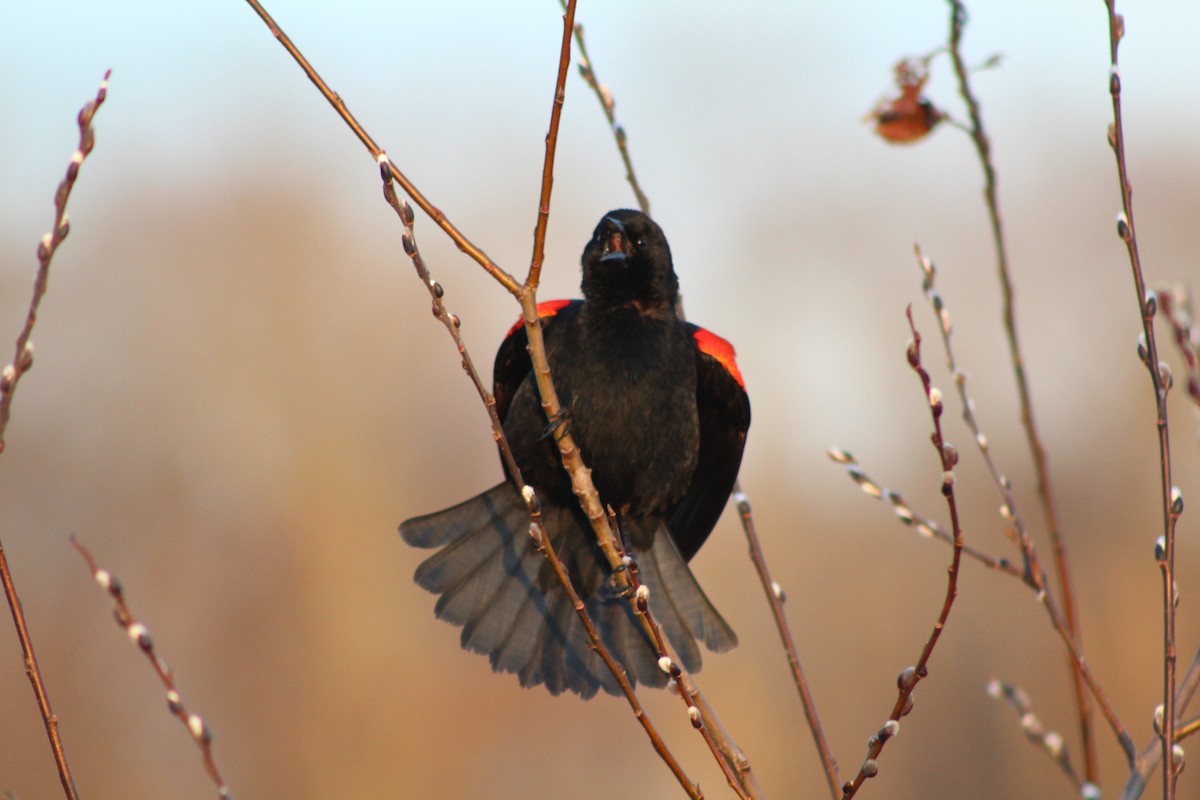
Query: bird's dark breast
629, 386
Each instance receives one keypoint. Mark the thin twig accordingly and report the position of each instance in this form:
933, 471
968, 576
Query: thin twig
775, 599
958, 19
1049, 741
464, 244
688, 692
1176, 306
140, 636
1160, 379
609, 106
924, 526
911, 676
1032, 575
10, 376
23, 357
543, 216
1148, 760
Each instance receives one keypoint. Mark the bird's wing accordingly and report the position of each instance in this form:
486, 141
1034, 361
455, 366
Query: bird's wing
513, 364
724, 414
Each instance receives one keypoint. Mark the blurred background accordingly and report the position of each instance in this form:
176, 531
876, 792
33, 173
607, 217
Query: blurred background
239, 391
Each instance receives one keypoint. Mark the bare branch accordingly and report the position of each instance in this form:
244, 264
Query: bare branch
10, 376
140, 636
464, 244
1049, 741
911, 676
1160, 380
609, 105
958, 19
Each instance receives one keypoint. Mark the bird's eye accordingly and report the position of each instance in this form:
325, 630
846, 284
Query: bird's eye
639, 242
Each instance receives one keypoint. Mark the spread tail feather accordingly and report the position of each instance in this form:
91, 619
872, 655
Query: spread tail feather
494, 584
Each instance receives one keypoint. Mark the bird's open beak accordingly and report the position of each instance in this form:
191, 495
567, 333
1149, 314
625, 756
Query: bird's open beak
616, 244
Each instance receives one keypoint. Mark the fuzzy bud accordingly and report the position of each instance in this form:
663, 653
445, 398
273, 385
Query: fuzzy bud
935, 401
26, 360
198, 729
839, 455
1165, 379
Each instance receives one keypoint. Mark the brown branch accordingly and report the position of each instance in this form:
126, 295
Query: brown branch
588, 72
543, 217
1032, 575
1176, 306
1049, 741
958, 19
1160, 379
10, 376
1148, 760
926, 527
775, 599
140, 636
911, 676
464, 244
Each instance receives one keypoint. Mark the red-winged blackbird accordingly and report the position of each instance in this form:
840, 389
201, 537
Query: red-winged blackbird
659, 412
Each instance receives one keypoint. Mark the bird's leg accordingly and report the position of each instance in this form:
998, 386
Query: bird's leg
561, 420
618, 585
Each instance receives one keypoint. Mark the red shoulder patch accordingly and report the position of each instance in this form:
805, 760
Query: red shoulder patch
713, 345
545, 310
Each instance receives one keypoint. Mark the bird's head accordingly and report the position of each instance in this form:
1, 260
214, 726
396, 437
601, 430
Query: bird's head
627, 262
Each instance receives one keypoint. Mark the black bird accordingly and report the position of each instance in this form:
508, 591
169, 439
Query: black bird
659, 412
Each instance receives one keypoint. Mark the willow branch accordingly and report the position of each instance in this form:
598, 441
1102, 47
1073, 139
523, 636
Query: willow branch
140, 636
775, 599
911, 676
609, 105
1148, 760
463, 243
958, 17
1032, 574
10, 376
1160, 379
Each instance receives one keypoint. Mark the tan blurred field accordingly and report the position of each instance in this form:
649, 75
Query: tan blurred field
239, 392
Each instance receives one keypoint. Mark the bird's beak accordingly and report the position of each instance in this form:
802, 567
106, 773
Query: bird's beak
616, 245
